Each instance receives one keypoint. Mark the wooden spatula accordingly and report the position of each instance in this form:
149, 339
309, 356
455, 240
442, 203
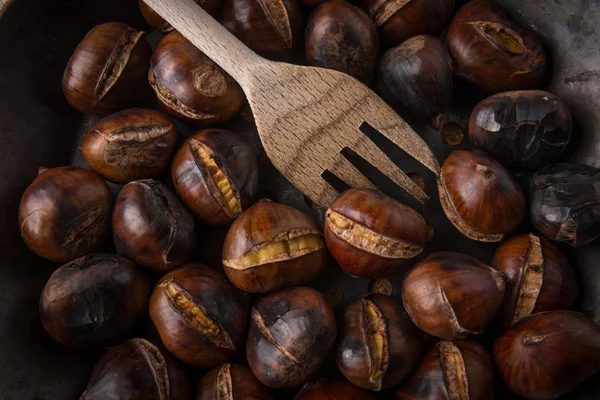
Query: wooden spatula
305, 116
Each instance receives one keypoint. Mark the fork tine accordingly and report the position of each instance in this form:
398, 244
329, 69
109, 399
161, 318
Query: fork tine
322, 193
349, 174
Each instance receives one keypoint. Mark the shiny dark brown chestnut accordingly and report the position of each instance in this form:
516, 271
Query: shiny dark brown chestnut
215, 173
539, 278
231, 382
399, 20
157, 22
479, 196
525, 129
152, 227
370, 234
137, 370
271, 246
65, 213
129, 145
462, 293
200, 317
547, 355
189, 85
378, 344
94, 301
565, 203
107, 69
332, 391
452, 371
493, 52
341, 36
290, 334
417, 77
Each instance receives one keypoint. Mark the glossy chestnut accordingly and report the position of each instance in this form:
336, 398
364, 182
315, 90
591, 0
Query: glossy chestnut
215, 173
200, 317
157, 22
547, 355
65, 213
479, 196
230, 381
152, 227
341, 390
189, 85
462, 293
291, 332
107, 69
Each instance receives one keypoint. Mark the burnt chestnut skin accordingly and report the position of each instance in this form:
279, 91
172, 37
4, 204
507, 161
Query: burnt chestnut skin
200, 317
290, 334
215, 173
341, 390
65, 213
94, 301
548, 354
340, 36
152, 227
107, 69
137, 370
231, 382
157, 22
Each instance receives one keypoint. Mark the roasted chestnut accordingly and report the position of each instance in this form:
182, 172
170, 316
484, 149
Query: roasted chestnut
107, 69
137, 370
311, 3
565, 203
200, 317
231, 382
332, 391
526, 129
546, 355
452, 371
479, 196
370, 234
341, 36
269, 27
271, 246
189, 85
399, 20
65, 213
290, 334
462, 293
378, 344
94, 301
539, 278
157, 22
417, 77
215, 173
493, 52
152, 227
129, 145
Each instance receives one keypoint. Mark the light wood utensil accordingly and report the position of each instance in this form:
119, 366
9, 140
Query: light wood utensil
305, 116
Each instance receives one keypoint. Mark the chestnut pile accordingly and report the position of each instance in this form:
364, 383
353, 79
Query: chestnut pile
253, 325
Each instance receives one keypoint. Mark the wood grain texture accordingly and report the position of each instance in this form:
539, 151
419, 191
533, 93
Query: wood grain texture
305, 116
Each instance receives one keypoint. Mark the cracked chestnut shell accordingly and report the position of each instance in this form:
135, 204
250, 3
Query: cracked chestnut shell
215, 173
378, 344
200, 317
291, 332
65, 213
157, 22
152, 227
341, 36
493, 52
451, 371
417, 77
230, 381
565, 205
341, 390
539, 278
137, 370
94, 301
462, 293
479, 196
271, 246
370, 234
129, 145
547, 355
189, 85
399, 20
107, 69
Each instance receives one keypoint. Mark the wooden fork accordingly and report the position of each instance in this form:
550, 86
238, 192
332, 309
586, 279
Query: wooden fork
305, 116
